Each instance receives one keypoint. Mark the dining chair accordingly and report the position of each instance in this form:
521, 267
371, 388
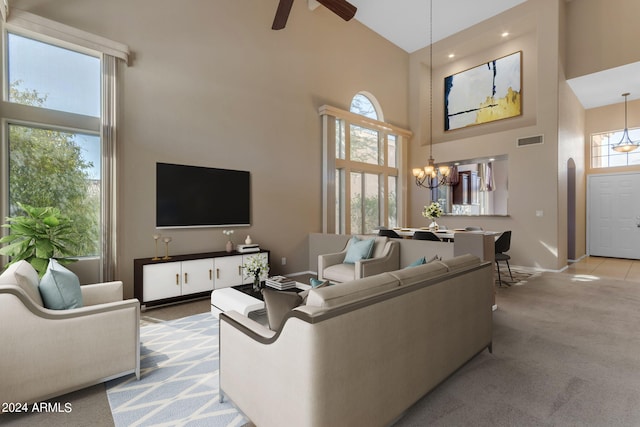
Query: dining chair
389, 233
425, 235
502, 245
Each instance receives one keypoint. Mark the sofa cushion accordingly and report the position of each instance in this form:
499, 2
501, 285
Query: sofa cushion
60, 288
278, 304
23, 275
461, 261
411, 276
359, 249
354, 290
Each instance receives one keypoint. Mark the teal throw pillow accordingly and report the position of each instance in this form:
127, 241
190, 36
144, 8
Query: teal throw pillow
359, 249
60, 288
315, 283
417, 262
423, 260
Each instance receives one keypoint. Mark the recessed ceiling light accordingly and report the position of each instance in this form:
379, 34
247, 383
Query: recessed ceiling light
505, 34
452, 55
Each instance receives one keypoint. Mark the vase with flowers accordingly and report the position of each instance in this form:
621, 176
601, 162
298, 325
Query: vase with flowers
256, 268
432, 212
229, 246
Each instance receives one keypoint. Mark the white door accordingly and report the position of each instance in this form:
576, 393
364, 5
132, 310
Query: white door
613, 215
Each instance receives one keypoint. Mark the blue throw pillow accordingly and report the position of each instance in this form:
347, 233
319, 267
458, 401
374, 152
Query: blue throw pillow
359, 249
315, 283
417, 262
60, 288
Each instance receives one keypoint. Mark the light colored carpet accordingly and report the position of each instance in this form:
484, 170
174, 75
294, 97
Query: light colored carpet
566, 353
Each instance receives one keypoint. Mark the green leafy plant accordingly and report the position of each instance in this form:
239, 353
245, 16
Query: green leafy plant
37, 236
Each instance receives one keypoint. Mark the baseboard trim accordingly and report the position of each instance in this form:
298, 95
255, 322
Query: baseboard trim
300, 273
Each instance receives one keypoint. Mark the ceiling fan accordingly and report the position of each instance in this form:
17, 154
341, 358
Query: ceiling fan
342, 8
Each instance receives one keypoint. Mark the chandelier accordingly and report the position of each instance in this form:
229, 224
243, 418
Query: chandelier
626, 144
431, 176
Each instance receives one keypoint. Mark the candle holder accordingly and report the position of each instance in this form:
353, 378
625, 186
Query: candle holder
166, 245
156, 237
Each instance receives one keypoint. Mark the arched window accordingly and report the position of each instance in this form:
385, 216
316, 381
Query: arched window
366, 105
363, 165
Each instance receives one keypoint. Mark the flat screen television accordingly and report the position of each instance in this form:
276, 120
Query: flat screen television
195, 196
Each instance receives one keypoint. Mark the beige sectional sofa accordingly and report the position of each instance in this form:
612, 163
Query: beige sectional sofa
361, 352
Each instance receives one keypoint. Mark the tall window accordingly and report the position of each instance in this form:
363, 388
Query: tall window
365, 165
58, 108
603, 156
54, 165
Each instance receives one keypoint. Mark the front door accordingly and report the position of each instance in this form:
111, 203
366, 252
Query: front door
613, 215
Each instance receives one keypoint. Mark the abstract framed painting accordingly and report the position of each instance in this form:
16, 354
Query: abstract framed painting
483, 94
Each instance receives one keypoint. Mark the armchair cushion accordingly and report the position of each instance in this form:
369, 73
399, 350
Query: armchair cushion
60, 288
26, 277
359, 249
339, 272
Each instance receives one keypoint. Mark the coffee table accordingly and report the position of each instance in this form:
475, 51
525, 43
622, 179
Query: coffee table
242, 299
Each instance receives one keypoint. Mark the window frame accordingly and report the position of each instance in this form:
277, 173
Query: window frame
331, 164
108, 52
613, 139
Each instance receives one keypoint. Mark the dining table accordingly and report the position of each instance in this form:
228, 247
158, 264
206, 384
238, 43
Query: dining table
445, 235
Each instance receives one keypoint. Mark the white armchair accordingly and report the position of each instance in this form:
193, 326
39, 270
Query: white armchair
385, 257
47, 353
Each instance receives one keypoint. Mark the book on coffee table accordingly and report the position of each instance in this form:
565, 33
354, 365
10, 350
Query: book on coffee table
280, 283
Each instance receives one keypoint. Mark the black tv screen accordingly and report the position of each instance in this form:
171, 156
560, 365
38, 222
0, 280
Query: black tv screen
194, 196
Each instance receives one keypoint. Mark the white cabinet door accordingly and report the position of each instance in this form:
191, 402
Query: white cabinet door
245, 258
228, 271
613, 212
197, 276
161, 281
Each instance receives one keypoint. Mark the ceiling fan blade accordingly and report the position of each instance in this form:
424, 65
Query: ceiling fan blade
282, 14
342, 8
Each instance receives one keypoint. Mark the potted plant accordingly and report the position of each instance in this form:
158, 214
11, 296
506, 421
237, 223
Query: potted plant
37, 236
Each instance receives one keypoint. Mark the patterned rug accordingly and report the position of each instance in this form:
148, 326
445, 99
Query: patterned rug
520, 276
179, 378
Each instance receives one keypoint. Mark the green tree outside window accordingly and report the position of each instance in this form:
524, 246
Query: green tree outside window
46, 168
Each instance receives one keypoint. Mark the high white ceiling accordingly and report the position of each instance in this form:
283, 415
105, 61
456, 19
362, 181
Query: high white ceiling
406, 24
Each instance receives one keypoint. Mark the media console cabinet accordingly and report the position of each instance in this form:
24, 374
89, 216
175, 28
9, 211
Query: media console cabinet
183, 277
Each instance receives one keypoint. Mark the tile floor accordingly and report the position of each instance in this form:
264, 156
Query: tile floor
614, 268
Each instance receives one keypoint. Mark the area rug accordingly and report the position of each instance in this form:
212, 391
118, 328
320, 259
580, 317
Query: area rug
179, 362
520, 276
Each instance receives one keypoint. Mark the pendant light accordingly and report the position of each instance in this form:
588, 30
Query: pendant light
431, 176
626, 144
